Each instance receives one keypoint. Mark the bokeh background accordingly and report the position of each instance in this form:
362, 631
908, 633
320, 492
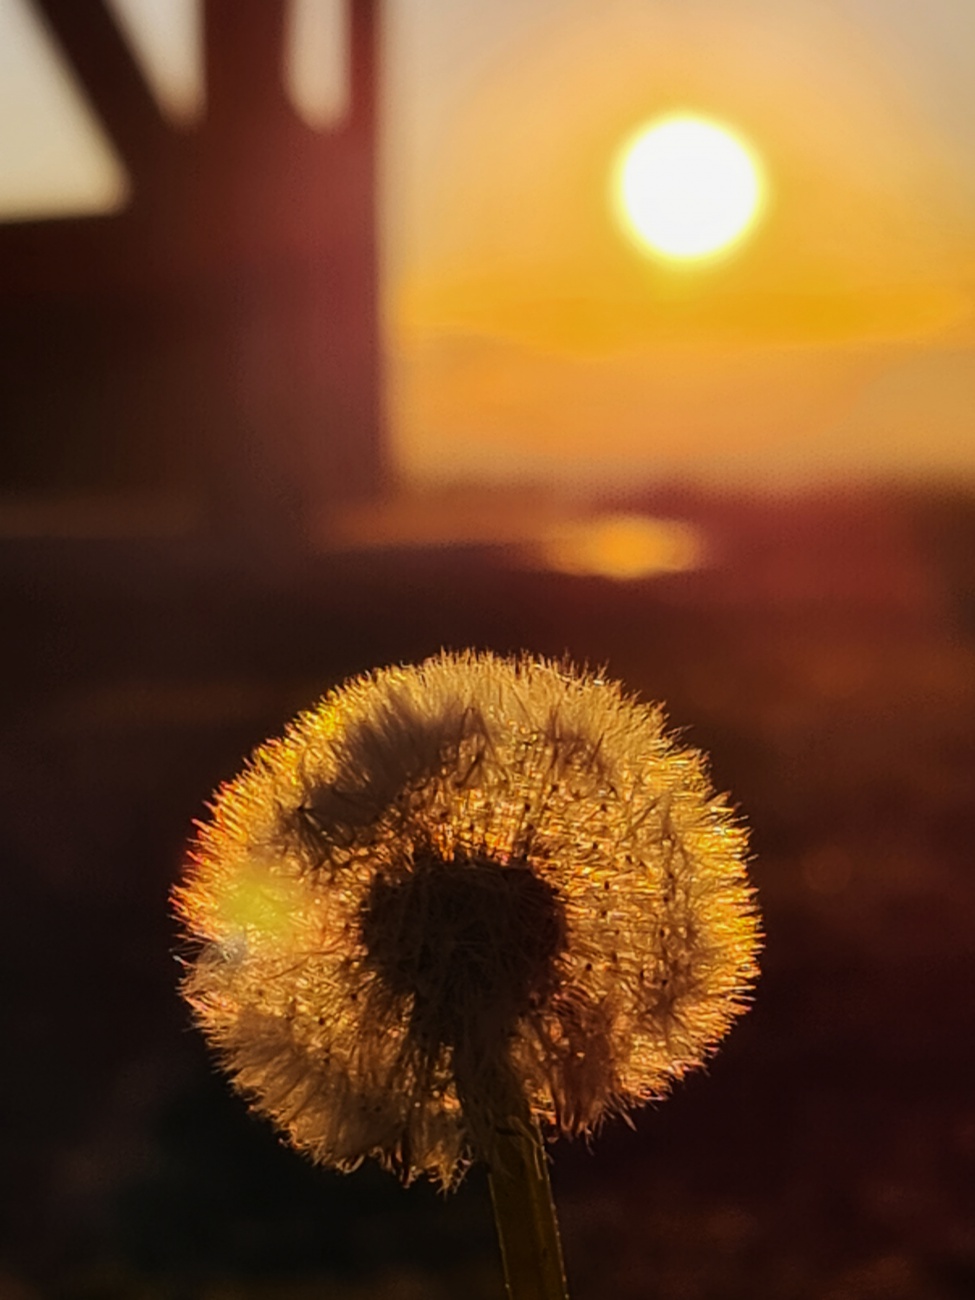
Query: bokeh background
321, 349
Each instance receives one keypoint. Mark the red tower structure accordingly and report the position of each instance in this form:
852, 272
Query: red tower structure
218, 337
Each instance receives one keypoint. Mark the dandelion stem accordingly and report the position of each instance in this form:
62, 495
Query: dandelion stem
524, 1210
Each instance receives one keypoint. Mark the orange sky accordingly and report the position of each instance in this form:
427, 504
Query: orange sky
531, 339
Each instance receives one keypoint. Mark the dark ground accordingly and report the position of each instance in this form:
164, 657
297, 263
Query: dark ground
827, 662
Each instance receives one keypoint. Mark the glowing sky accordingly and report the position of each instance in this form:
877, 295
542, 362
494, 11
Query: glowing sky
528, 339
534, 341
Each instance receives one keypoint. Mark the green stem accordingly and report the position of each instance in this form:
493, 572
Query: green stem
524, 1210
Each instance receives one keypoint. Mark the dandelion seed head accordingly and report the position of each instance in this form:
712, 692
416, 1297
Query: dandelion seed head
447, 877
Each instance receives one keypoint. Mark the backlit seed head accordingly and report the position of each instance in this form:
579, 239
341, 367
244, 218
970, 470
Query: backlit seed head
451, 879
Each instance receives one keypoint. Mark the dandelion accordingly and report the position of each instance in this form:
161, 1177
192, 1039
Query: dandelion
457, 900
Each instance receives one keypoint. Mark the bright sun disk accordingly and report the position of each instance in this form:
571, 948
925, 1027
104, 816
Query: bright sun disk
687, 188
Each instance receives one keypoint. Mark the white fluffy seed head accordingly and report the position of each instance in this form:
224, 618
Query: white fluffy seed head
451, 878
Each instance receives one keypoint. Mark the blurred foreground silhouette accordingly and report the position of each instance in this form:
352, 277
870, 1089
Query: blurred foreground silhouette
213, 348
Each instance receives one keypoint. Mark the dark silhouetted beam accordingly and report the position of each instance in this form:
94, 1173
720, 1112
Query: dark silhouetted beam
112, 81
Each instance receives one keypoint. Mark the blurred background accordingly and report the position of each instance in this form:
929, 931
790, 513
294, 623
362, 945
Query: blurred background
332, 334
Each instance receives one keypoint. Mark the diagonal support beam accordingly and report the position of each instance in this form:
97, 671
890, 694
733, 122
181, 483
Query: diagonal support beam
111, 79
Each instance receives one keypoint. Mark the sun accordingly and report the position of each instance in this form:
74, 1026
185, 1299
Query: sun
687, 188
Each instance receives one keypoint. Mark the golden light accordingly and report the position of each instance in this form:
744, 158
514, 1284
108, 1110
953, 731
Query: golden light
687, 188
623, 547
259, 903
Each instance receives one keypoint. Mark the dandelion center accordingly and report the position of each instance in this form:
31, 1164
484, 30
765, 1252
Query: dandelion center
472, 944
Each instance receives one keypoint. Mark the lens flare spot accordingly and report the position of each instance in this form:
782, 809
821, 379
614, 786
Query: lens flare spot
259, 904
624, 547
